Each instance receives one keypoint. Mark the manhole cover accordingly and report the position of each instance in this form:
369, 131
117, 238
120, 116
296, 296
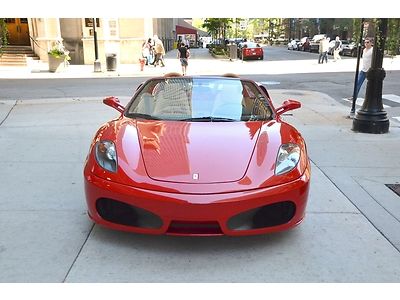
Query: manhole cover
395, 188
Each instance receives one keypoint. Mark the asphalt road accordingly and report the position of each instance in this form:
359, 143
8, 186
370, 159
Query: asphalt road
338, 85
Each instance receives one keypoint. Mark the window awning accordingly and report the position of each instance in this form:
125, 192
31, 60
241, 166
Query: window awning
185, 30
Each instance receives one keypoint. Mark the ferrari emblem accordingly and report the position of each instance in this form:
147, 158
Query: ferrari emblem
196, 176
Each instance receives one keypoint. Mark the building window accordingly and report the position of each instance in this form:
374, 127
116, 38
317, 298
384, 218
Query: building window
89, 22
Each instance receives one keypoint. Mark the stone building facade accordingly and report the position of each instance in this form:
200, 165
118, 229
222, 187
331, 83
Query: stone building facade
121, 36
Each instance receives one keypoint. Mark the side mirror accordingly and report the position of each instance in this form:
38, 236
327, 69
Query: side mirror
114, 103
288, 105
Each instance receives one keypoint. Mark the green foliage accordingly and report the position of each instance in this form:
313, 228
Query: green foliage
217, 26
3, 34
356, 29
393, 37
58, 51
219, 50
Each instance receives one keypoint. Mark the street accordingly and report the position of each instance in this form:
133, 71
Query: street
339, 85
351, 232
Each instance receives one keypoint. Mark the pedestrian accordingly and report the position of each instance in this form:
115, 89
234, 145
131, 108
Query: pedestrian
183, 55
366, 65
336, 49
159, 51
147, 51
323, 50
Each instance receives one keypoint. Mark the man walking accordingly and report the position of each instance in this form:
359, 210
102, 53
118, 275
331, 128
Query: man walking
323, 50
159, 51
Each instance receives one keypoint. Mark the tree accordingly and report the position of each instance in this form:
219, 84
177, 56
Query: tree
393, 37
217, 26
393, 33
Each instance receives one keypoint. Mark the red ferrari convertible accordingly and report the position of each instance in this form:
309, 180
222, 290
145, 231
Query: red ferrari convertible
198, 156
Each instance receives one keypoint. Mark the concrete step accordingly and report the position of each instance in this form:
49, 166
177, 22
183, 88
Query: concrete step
20, 51
5, 55
13, 64
17, 55
13, 48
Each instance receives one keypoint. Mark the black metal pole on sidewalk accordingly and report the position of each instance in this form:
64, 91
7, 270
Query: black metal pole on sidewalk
353, 105
97, 64
371, 118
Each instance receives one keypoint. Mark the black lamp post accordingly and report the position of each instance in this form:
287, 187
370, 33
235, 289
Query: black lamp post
353, 105
371, 118
97, 64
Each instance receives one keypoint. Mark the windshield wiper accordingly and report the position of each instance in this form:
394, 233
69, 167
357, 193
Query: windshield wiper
143, 116
208, 119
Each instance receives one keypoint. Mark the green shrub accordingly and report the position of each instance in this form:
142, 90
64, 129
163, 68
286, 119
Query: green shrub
219, 50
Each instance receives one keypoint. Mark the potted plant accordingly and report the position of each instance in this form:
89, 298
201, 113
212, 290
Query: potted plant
58, 57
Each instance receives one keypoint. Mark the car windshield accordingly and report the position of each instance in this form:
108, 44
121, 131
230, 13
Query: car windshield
199, 100
251, 45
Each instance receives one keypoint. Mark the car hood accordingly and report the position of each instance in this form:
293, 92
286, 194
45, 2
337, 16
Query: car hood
197, 152
197, 157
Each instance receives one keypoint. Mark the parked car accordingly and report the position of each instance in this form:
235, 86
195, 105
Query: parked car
250, 50
314, 43
292, 45
304, 44
200, 155
350, 49
281, 38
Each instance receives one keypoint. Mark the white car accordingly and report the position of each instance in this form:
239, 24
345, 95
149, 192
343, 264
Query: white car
292, 45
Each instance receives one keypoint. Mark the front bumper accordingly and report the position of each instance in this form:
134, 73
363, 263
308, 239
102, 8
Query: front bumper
239, 213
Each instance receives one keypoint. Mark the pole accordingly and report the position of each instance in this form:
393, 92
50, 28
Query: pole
97, 64
353, 105
371, 118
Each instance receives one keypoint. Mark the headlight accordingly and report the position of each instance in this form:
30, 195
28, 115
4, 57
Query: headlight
287, 159
106, 155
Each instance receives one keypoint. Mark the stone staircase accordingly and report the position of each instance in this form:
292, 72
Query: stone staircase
17, 56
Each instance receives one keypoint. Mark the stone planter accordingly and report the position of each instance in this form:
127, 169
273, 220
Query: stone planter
57, 64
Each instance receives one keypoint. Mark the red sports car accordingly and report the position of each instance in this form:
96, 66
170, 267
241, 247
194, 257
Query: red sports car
198, 156
250, 50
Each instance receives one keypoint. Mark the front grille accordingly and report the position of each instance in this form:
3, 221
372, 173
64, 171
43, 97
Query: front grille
195, 228
125, 214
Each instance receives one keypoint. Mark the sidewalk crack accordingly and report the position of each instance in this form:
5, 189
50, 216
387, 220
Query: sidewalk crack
9, 112
79, 252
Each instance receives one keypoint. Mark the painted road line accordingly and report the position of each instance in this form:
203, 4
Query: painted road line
270, 82
392, 97
360, 102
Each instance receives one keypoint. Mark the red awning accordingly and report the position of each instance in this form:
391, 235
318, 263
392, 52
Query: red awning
185, 30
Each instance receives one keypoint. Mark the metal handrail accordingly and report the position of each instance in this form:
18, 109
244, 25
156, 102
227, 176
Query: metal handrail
35, 42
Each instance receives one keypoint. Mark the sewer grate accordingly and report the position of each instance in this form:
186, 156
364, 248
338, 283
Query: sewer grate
395, 188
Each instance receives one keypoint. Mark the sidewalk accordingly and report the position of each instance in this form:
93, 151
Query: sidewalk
351, 232
201, 63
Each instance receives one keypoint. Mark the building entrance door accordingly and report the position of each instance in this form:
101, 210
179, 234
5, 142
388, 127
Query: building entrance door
18, 31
